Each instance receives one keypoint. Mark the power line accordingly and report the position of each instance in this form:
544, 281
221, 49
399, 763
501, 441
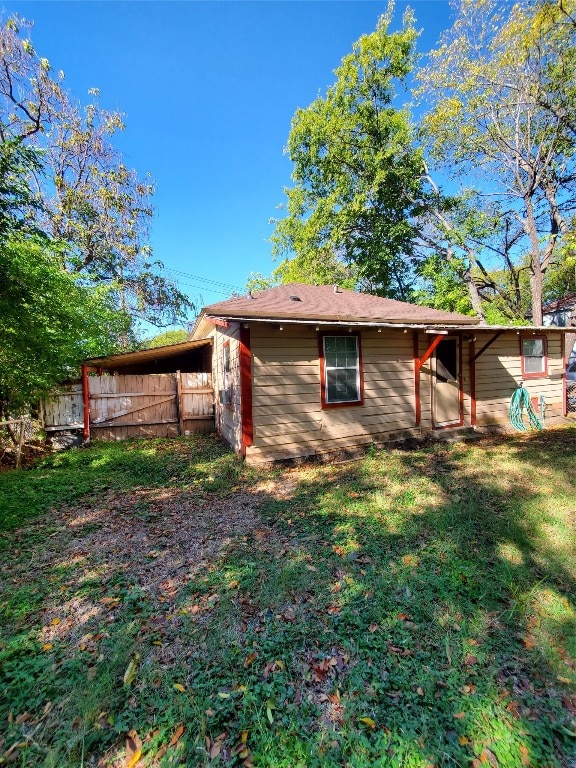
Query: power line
219, 291
227, 286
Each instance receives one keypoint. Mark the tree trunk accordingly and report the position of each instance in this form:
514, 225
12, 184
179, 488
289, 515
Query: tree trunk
535, 265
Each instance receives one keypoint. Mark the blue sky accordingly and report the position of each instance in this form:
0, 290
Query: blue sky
209, 90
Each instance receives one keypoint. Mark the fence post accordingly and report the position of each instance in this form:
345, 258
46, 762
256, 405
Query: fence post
86, 401
20, 444
179, 413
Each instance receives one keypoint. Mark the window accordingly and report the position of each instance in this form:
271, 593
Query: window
341, 370
534, 361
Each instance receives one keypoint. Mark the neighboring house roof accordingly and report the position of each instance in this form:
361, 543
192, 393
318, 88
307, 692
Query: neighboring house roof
298, 301
565, 302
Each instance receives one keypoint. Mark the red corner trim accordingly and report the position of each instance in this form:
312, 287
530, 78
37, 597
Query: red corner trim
431, 348
246, 389
472, 364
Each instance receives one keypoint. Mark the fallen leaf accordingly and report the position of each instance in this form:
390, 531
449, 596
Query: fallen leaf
215, 749
524, 755
367, 721
179, 687
470, 660
55, 621
270, 707
131, 669
489, 757
217, 745
177, 735
47, 647
463, 740
250, 658
133, 749
373, 627
562, 679
529, 642
459, 715
233, 584
420, 691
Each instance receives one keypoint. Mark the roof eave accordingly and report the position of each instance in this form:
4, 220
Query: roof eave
424, 325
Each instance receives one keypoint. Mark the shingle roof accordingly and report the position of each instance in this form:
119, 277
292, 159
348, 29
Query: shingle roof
566, 302
298, 301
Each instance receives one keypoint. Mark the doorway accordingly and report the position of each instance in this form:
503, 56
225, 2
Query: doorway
447, 384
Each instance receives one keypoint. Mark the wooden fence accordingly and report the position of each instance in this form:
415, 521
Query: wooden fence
151, 405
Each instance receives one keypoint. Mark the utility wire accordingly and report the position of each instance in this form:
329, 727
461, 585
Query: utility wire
219, 283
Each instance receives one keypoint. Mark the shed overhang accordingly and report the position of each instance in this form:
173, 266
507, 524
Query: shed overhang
126, 359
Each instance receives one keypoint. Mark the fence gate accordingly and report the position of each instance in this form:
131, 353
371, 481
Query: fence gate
151, 405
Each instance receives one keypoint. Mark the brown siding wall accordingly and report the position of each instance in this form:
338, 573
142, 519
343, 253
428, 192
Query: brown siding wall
287, 412
499, 372
227, 416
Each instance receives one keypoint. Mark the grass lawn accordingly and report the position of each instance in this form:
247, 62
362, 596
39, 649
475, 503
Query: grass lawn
163, 605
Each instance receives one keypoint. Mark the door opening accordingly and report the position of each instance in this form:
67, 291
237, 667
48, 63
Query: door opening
447, 384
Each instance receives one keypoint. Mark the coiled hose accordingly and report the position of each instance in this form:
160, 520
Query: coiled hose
520, 402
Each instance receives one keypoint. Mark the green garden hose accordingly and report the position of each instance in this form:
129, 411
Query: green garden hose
519, 402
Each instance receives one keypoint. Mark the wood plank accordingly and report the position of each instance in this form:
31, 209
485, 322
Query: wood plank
337, 436
288, 408
259, 400
127, 394
128, 411
133, 424
179, 403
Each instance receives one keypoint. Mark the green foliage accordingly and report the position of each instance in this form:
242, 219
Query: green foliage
560, 278
412, 608
356, 172
443, 287
88, 198
49, 320
168, 337
502, 122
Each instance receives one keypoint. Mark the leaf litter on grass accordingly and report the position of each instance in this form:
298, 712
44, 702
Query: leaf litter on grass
375, 628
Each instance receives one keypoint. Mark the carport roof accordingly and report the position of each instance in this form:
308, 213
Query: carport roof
142, 355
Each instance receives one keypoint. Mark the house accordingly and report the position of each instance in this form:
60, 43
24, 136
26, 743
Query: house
302, 370
560, 311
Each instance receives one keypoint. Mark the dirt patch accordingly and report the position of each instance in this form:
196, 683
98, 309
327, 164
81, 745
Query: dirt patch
158, 539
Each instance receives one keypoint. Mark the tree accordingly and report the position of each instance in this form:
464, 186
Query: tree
91, 201
357, 175
49, 319
502, 117
175, 336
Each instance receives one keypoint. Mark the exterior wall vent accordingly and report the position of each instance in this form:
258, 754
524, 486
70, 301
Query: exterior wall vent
295, 298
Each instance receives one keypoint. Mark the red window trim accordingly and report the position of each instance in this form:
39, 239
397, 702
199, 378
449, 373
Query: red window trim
541, 374
347, 404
